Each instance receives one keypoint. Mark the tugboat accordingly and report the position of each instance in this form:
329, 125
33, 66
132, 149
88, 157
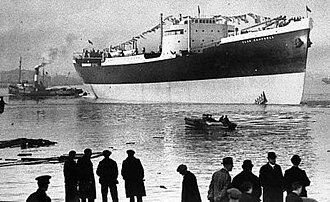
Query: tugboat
208, 122
37, 89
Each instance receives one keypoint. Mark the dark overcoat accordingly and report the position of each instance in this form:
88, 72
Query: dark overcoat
86, 183
248, 176
271, 179
107, 170
295, 174
293, 197
133, 174
71, 180
38, 196
190, 191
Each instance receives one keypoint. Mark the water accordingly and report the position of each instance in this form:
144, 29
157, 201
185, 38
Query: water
158, 135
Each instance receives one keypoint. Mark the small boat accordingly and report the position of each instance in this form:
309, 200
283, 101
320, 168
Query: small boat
208, 122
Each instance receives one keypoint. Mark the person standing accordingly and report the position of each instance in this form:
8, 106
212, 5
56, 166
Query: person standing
40, 195
107, 170
295, 174
221, 181
190, 191
271, 180
71, 178
133, 174
247, 176
293, 196
2, 105
87, 189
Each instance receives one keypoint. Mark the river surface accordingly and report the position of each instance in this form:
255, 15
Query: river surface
158, 135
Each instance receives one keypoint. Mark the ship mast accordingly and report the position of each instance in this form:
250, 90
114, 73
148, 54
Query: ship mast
188, 32
20, 69
161, 32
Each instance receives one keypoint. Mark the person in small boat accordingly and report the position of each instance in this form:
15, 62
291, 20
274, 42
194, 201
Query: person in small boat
2, 104
208, 117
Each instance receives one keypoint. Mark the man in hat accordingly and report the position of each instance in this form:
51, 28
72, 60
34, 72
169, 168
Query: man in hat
40, 195
190, 191
271, 179
133, 174
295, 174
247, 176
107, 170
221, 181
70, 172
87, 189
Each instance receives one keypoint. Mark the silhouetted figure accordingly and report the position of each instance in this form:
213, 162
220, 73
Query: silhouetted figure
271, 179
2, 105
247, 176
86, 183
133, 174
221, 181
295, 174
247, 190
190, 191
40, 195
108, 172
293, 196
70, 171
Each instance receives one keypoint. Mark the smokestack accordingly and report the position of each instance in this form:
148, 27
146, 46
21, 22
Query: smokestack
36, 75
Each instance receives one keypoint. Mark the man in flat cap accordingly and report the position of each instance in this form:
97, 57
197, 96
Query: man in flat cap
221, 181
296, 174
133, 174
86, 184
247, 176
190, 191
271, 180
70, 171
107, 170
40, 195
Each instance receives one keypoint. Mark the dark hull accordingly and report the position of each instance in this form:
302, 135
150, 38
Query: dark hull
201, 124
43, 93
276, 54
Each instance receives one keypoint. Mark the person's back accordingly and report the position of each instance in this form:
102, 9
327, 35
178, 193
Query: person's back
295, 174
190, 191
221, 181
70, 172
247, 176
107, 170
133, 174
87, 189
2, 105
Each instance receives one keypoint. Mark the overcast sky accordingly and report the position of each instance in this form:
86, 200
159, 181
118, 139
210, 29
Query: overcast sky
56, 28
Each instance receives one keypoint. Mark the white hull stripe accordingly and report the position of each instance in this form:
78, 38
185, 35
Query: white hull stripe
279, 89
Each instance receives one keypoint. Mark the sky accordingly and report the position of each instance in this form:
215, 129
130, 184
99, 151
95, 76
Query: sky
55, 29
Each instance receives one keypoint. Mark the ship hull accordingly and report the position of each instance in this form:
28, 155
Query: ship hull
236, 71
279, 89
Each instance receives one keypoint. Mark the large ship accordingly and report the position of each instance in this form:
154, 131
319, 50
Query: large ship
206, 60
